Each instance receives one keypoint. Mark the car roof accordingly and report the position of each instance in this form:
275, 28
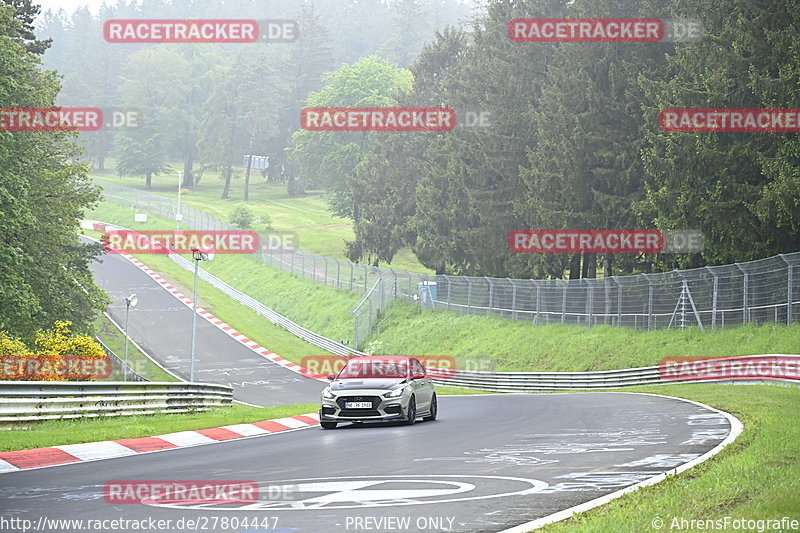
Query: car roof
382, 358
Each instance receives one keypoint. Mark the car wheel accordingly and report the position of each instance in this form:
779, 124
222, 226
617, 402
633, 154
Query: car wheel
434, 409
411, 418
328, 425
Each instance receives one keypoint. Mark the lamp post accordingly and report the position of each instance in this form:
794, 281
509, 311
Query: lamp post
198, 255
130, 301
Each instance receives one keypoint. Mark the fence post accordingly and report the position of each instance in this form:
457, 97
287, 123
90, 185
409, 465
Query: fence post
513, 299
313, 268
355, 333
714, 292
590, 301
745, 288
536, 316
789, 288
326, 271
351, 276
447, 279
619, 301
649, 302
564, 302
302, 265
469, 295
366, 277
491, 290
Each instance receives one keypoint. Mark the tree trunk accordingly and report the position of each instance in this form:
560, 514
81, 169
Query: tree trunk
247, 178
149, 181
608, 264
591, 265
188, 177
575, 266
227, 188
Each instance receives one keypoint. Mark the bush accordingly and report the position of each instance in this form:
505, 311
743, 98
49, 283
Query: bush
242, 217
56, 356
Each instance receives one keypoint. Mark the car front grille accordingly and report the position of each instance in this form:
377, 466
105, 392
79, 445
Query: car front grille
374, 400
359, 413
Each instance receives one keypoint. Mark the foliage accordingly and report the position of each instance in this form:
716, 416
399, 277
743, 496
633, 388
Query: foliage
242, 217
44, 269
53, 350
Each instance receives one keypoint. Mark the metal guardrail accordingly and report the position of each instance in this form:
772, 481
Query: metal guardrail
565, 381
22, 401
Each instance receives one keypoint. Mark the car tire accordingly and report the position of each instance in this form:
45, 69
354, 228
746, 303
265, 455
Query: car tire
411, 416
328, 425
433, 411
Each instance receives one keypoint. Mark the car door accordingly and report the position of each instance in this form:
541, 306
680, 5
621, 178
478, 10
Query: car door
423, 387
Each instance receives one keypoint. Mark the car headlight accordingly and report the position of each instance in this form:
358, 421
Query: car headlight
396, 393
327, 394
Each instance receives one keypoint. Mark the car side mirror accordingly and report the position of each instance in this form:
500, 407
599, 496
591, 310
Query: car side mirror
331, 377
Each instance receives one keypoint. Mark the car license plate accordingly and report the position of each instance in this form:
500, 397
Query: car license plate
358, 405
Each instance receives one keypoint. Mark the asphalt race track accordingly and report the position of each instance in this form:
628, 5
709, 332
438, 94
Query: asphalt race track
489, 463
162, 326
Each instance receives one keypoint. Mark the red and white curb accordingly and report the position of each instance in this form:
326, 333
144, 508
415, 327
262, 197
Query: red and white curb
109, 449
230, 331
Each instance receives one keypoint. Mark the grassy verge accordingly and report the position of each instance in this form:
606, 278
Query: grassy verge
307, 217
59, 432
139, 362
757, 477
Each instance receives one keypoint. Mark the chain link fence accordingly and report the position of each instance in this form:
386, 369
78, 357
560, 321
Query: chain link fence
761, 291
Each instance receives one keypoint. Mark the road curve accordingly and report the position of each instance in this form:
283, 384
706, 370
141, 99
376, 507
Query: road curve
488, 464
162, 326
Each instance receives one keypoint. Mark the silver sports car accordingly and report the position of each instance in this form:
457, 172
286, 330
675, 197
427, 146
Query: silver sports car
378, 388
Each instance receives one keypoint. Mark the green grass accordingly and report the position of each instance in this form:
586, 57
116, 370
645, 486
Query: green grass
508, 345
60, 432
317, 230
517, 346
755, 477
140, 363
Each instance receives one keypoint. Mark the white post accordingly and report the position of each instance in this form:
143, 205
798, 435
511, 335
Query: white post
194, 318
178, 212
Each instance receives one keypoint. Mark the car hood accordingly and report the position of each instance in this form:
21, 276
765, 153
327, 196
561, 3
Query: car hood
361, 384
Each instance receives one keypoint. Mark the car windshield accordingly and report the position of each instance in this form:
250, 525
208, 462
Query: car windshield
375, 368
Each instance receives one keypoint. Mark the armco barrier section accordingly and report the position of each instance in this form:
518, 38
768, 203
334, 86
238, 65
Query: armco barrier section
22, 401
603, 379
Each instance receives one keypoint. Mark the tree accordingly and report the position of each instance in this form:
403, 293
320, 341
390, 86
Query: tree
25, 12
330, 158
155, 83
44, 269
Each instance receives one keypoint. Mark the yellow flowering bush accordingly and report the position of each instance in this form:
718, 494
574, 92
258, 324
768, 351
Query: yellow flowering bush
57, 356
